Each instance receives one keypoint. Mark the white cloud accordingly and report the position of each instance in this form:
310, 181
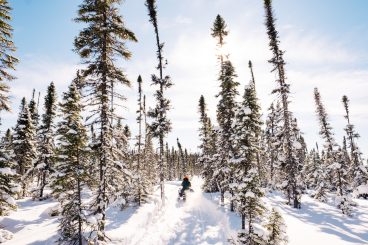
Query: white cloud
36, 73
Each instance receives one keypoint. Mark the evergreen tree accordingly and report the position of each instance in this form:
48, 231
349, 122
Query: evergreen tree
169, 163
297, 157
46, 134
94, 156
161, 125
247, 186
313, 170
139, 137
99, 45
290, 167
143, 184
33, 109
149, 157
121, 137
24, 144
71, 169
8, 176
183, 163
330, 144
340, 167
273, 145
251, 207
171, 170
150, 160
205, 158
7, 48
258, 133
226, 107
321, 176
358, 172
219, 31
226, 117
203, 118
276, 229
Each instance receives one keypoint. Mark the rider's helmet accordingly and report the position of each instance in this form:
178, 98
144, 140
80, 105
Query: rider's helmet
186, 177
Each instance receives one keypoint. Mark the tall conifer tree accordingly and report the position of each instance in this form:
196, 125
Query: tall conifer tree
24, 143
329, 146
226, 117
283, 91
46, 145
7, 49
142, 181
161, 124
226, 108
205, 158
273, 145
219, 32
8, 175
247, 178
358, 172
33, 109
99, 45
183, 163
71, 169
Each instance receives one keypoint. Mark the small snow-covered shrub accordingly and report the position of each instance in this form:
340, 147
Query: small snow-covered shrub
361, 191
5, 235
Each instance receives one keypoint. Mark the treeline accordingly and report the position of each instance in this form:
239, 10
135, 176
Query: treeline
88, 163
242, 155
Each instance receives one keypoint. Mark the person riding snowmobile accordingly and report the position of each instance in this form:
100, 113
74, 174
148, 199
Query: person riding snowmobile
185, 185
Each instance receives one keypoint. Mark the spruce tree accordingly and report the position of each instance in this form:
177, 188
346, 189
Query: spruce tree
340, 167
219, 31
226, 108
204, 126
207, 151
143, 184
276, 229
7, 49
329, 145
71, 169
8, 176
150, 160
139, 137
33, 109
251, 207
321, 176
313, 171
273, 145
247, 186
24, 143
258, 133
46, 145
169, 163
183, 163
160, 125
358, 172
226, 117
149, 157
290, 167
99, 45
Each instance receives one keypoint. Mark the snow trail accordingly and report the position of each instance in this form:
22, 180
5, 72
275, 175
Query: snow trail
32, 223
198, 221
195, 221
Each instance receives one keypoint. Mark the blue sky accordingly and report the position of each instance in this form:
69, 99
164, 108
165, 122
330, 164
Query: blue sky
326, 44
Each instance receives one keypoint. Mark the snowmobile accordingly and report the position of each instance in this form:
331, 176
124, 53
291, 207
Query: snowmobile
183, 195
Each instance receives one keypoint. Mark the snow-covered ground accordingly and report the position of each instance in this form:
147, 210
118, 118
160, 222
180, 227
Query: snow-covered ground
199, 220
